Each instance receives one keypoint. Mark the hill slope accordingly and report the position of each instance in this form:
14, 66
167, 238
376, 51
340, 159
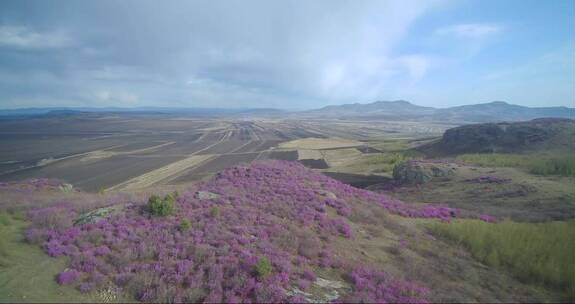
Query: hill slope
268, 232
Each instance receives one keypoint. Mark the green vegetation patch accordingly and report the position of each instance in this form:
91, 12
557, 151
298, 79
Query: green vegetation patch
563, 164
263, 267
27, 273
497, 160
161, 207
542, 253
385, 162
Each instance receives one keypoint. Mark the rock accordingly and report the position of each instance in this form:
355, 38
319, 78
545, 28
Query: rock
420, 172
67, 188
206, 195
323, 283
327, 194
503, 137
99, 214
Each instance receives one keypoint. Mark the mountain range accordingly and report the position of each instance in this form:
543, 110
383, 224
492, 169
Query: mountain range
399, 110
404, 110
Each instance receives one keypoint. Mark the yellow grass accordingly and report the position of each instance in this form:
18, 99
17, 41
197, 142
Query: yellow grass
320, 143
341, 157
309, 154
163, 173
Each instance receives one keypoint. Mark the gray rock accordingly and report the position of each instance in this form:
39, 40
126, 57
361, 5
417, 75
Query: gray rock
99, 214
419, 172
327, 194
206, 195
67, 188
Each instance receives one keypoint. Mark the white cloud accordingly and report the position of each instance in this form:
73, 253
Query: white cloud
416, 65
22, 37
115, 98
470, 30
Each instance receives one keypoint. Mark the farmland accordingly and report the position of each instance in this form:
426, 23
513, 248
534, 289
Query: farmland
122, 151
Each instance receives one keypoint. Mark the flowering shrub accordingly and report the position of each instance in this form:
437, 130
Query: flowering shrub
67, 277
372, 286
271, 217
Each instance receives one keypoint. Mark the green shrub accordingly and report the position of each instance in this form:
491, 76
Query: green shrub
161, 207
215, 212
4, 218
185, 225
542, 253
263, 267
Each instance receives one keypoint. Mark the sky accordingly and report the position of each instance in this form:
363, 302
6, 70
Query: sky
290, 54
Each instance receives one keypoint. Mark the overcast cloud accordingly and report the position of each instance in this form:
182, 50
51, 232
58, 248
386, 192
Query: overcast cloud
286, 54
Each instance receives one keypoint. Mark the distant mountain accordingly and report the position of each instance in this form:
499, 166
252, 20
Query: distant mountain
404, 110
66, 111
376, 108
501, 111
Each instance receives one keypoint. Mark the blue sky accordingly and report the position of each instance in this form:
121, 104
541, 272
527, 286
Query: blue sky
285, 54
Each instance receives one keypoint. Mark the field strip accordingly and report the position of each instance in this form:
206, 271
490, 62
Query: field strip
168, 171
50, 160
102, 154
165, 172
238, 148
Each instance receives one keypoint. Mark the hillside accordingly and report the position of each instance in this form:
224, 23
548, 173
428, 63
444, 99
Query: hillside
404, 110
535, 135
271, 231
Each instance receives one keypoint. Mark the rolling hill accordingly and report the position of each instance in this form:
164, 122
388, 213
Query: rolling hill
404, 110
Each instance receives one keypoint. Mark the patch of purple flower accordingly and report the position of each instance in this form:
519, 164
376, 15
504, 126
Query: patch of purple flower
274, 209
372, 286
68, 277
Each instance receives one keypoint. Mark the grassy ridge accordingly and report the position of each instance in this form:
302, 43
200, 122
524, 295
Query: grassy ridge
563, 165
542, 253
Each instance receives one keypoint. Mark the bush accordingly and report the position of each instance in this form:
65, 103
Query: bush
67, 277
4, 218
263, 267
185, 225
161, 207
215, 212
537, 253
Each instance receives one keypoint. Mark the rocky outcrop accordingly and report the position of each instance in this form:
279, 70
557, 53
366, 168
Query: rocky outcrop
101, 213
419, 172
501, 137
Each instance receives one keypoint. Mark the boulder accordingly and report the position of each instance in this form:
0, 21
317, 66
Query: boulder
420, 172
206, 195
99, 214
67, 188
327, 194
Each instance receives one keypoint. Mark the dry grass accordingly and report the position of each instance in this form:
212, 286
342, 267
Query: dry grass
163, 173
320, 143
309, 154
